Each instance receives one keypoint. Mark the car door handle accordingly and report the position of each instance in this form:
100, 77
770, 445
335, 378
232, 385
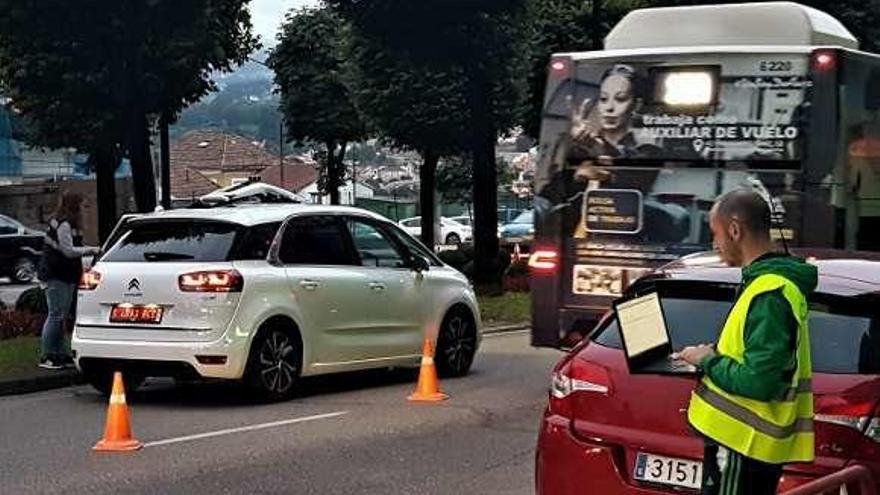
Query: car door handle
376, 286
309, 284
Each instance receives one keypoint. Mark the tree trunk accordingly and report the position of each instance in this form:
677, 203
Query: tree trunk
332, 173
486, 268
165, 165
106, 161
142, 164
596, 31
427, 188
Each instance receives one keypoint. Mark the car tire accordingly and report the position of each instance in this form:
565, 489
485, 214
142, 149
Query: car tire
24, 270
453, 239
102, 381
274, 363
456, 344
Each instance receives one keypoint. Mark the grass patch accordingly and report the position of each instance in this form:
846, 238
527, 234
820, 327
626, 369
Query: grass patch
512, 307
19, 356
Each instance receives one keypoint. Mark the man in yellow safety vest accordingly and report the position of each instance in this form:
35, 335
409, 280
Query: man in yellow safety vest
754, 403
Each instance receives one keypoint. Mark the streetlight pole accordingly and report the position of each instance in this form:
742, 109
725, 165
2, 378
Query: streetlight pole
281, 151
354, 179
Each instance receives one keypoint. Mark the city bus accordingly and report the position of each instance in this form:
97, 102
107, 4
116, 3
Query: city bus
683, 104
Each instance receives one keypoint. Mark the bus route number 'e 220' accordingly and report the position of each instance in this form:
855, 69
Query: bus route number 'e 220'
775, 66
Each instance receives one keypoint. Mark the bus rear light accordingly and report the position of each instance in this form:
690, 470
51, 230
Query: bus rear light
824, 60
211, 281
544, 260
558, 65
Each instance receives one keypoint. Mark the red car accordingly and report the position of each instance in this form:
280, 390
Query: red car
609, 432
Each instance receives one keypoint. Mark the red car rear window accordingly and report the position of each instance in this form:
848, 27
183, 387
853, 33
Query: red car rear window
844, 337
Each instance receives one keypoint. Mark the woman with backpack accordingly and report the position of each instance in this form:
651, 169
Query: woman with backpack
60, 271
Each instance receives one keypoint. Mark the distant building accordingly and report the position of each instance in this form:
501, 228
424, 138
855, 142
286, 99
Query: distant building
203, 161
346, 196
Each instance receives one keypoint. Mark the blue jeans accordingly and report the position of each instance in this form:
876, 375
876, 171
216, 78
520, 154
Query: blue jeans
59, 297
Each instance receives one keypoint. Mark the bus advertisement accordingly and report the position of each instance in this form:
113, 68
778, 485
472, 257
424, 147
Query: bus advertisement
639, 139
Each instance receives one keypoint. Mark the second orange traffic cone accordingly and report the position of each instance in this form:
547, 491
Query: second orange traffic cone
428, 388
117, 431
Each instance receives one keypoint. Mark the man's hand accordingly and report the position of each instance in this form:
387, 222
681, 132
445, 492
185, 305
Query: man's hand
588, 171
695, 354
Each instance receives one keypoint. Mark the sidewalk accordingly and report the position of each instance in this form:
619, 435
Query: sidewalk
40, 379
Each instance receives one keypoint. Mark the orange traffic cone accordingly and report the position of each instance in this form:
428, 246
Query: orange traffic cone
428, 388
117, 431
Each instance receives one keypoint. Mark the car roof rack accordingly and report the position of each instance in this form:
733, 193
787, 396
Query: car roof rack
249, 192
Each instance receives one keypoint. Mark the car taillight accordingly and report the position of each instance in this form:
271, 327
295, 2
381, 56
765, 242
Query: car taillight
576, 376
544, 261
90, 280
211, 281
861, 417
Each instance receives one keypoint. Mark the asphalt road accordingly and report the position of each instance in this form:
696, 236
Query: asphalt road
349, 434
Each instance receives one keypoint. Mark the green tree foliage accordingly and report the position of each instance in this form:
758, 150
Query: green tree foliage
557, 26
316, 99
91, 73
411, 104
470, 53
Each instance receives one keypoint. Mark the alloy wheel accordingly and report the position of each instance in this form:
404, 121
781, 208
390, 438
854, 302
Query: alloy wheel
460, 342
278, 363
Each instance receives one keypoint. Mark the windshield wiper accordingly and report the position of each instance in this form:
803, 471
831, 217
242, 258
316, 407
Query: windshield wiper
163, 256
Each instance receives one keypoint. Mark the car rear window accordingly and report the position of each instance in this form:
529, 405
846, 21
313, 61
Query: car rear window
255, 241
844, 338
175, 241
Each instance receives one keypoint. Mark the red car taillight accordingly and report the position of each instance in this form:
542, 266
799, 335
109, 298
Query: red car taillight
576, 376
211, 281
861, 417
544, 261
90, 280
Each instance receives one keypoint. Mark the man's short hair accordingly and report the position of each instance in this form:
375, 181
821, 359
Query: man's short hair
748, 208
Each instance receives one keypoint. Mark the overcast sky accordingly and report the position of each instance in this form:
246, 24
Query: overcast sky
268, 14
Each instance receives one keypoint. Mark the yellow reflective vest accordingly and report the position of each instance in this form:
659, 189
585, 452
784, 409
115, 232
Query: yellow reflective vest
779, 431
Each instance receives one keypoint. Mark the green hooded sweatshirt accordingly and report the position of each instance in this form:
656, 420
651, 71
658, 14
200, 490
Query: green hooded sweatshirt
770, 334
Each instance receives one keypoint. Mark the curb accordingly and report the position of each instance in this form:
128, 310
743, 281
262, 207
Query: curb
505, 328
58, 379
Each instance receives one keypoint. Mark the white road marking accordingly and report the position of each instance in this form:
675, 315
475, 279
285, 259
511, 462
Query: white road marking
241, 429
504, 334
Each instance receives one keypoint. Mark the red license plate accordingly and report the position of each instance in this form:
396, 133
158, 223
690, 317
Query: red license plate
136, 313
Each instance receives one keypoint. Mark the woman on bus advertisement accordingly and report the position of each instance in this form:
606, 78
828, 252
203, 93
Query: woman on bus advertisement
621, 120
620, 97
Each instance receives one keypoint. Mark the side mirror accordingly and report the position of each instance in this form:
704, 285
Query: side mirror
420, 264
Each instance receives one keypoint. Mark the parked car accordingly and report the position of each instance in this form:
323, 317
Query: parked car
520, 230
465, 220
267, 294
507, 215
451, 232
19, 250
602, 422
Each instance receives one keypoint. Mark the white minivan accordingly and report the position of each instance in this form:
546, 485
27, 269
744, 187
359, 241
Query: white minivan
266, 294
